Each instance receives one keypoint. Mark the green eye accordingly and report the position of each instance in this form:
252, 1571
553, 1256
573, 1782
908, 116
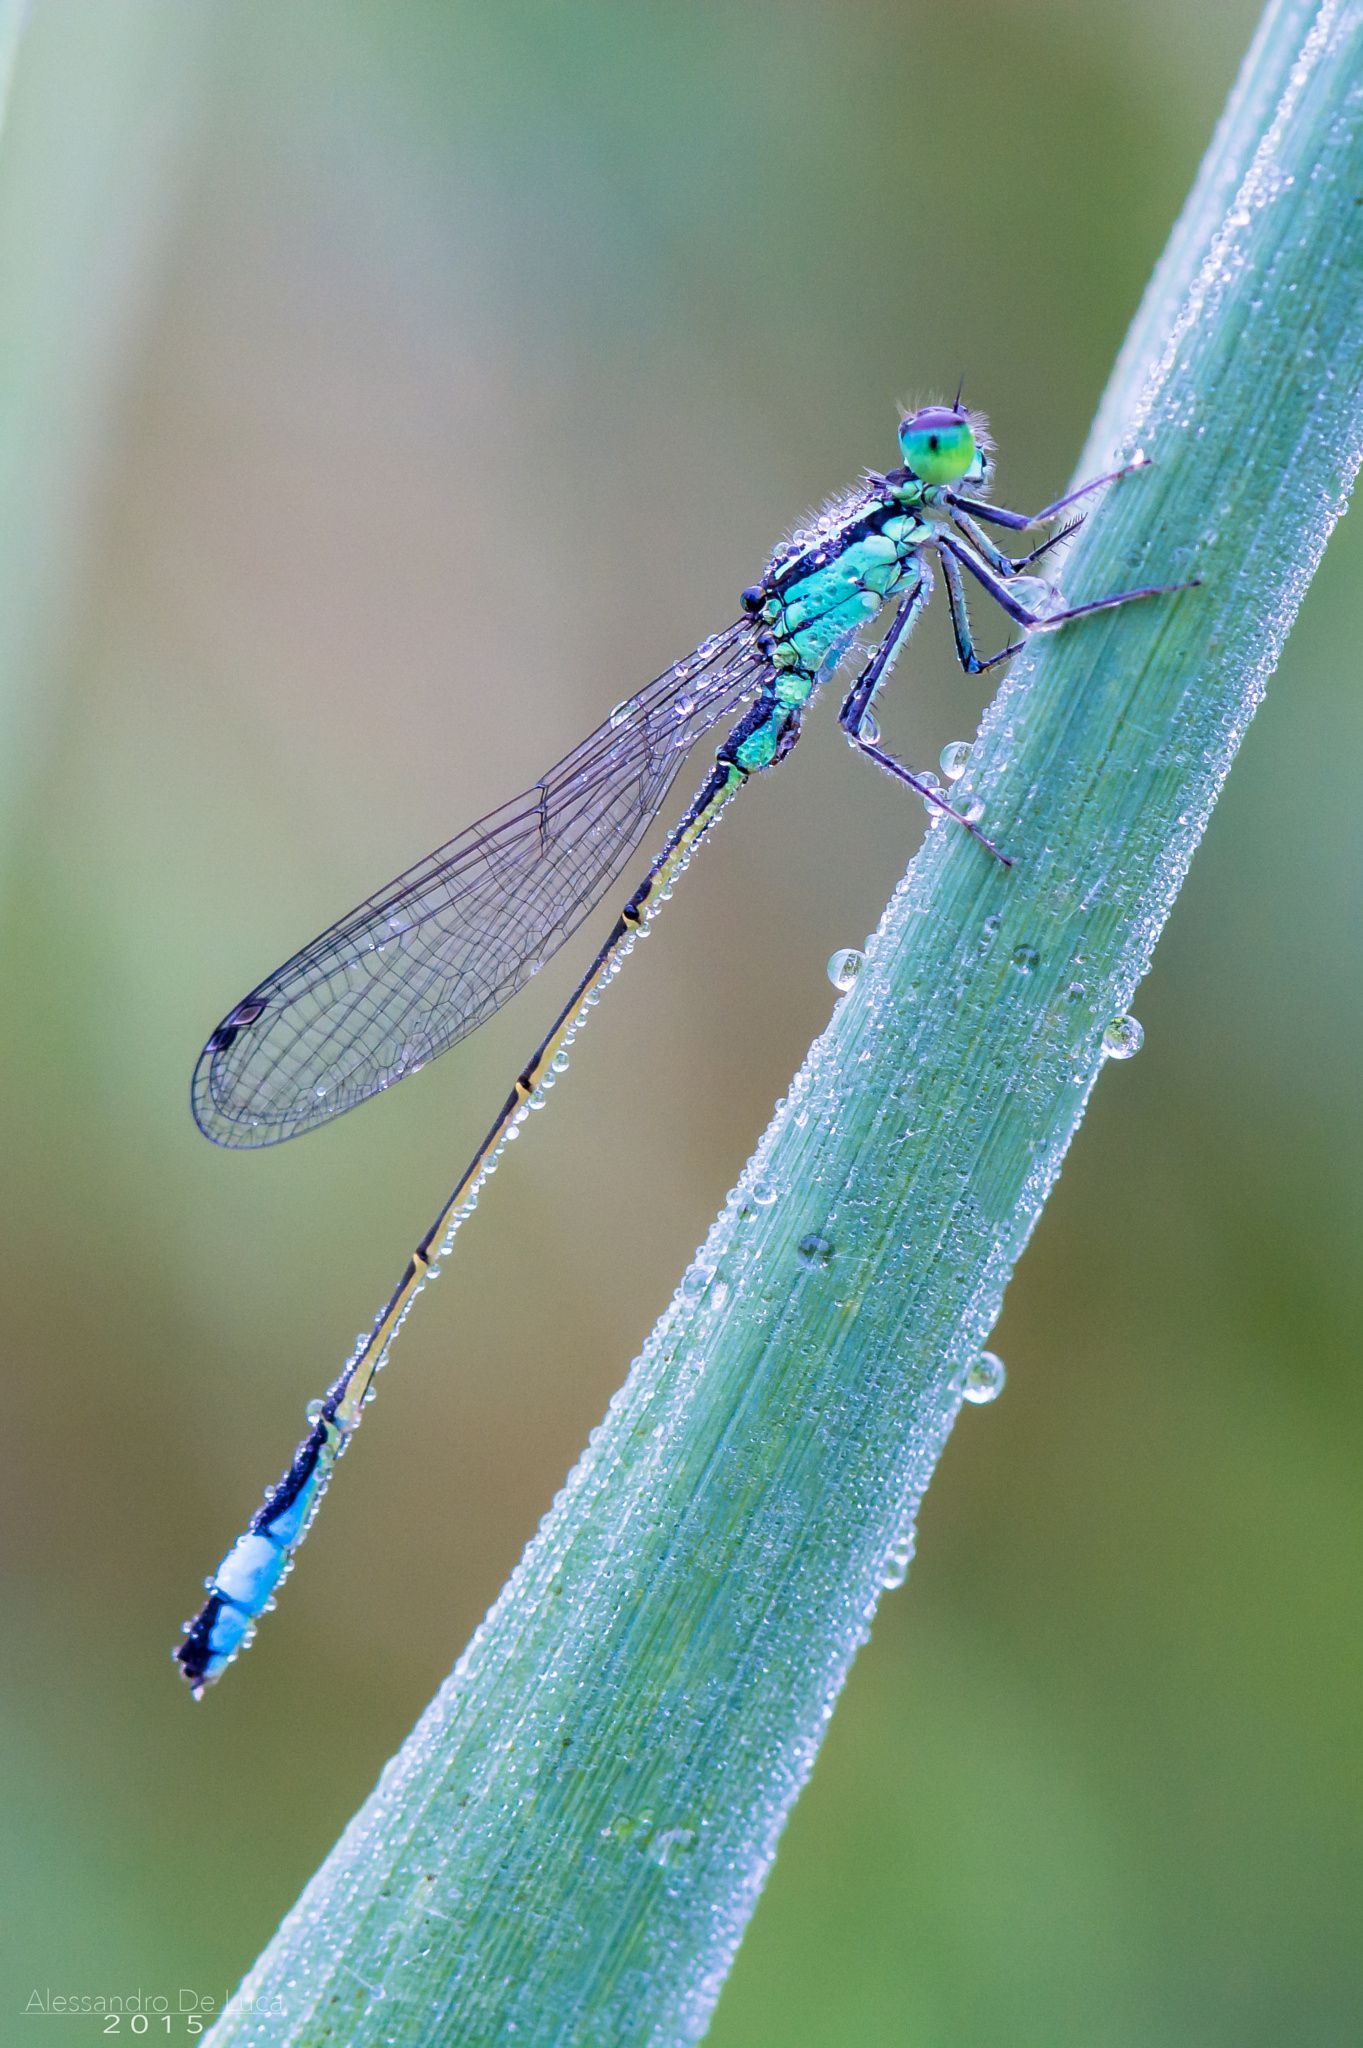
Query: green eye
938, 445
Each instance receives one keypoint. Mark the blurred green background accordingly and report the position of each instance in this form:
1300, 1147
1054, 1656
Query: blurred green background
386, 392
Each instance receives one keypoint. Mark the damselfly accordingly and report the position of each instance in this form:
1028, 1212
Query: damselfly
419, 965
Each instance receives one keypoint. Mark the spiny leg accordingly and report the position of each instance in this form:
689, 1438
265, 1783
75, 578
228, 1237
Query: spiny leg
878, 667
960, 624
856, 714
884, 759
998, 515
1045, 621
1007, 565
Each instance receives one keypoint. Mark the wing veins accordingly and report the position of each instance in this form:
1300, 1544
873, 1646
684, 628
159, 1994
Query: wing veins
340, 1019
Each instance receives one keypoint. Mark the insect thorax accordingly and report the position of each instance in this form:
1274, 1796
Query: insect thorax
828, 583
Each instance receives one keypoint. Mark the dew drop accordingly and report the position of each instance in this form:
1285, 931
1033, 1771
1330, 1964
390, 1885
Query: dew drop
971, 809
623, 712
313, 1411
844, 966
954, 759
930, 782
763, 1193
983, 1381
1122, 1038
1036, 594
559, 1063
669, 1845
814, 1251
695, 1281
869, 730
897, 1565
1026, 959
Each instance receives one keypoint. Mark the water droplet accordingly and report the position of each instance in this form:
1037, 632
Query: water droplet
844, 966
763, 1193
971, 808
983, 1381
897, 1564
669, 1845
869, 730
955, 759
559, 1063
930, 782
1122, 1038
623, 712
814, 1251
695, 1281
1036, 594
313, 1411
1026, 959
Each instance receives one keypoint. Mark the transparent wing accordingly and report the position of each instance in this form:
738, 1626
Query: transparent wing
416, 967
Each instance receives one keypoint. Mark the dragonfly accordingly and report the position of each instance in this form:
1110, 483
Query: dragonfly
416, 967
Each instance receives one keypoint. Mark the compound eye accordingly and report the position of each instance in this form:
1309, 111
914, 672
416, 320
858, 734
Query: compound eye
937, 444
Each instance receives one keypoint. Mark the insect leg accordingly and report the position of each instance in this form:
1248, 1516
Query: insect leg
960, 624
1007, 565
855, 715
998, 515
1045, 621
